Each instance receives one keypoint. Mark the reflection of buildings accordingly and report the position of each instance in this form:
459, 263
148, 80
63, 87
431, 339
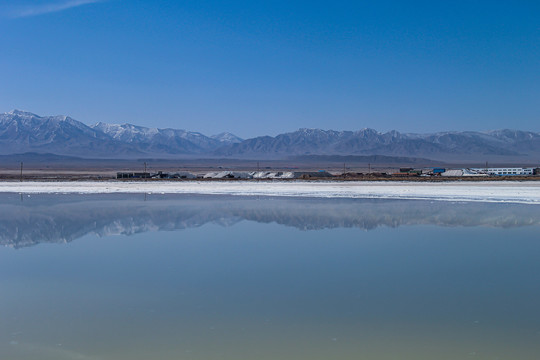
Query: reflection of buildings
57, 218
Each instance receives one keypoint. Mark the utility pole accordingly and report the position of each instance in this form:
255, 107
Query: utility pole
21, 169
369, 166
145, 171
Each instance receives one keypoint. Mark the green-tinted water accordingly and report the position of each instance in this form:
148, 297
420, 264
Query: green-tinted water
246, 278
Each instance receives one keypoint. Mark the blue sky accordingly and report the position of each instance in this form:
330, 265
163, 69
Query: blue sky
266, 67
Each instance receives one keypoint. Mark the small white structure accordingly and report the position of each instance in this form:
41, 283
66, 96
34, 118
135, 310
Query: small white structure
272, 175
182, 175
463, 172
453, 173
228, 175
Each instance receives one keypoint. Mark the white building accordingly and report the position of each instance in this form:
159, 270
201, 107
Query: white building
506, 171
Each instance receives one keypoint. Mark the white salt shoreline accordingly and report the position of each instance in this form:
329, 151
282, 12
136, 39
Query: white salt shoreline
507, 191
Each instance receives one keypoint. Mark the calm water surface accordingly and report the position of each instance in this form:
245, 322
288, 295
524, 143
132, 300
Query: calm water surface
194, 277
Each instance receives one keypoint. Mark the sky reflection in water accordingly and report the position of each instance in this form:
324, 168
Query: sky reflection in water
249, 278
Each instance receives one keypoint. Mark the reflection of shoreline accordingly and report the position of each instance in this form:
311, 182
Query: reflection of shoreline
64, 218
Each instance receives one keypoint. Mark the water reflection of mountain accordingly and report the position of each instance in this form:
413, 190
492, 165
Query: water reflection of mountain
27, 221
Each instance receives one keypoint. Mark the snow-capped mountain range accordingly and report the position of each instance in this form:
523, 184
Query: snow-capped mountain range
22, 132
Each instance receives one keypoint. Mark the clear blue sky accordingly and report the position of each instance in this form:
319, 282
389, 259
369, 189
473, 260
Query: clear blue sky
265, 67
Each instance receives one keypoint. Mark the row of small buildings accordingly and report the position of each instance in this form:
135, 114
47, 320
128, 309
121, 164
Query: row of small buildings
500, 171
227, 175
321, 174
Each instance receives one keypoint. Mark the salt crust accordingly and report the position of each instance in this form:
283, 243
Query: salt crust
485, 191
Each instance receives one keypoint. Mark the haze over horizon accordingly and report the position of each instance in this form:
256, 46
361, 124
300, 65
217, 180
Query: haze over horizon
266, 68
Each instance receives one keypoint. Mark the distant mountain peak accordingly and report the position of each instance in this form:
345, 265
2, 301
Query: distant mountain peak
369, 130
22, 113
313, 131
227, 138
29, 115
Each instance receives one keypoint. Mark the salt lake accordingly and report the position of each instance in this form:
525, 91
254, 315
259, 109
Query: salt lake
139, 276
